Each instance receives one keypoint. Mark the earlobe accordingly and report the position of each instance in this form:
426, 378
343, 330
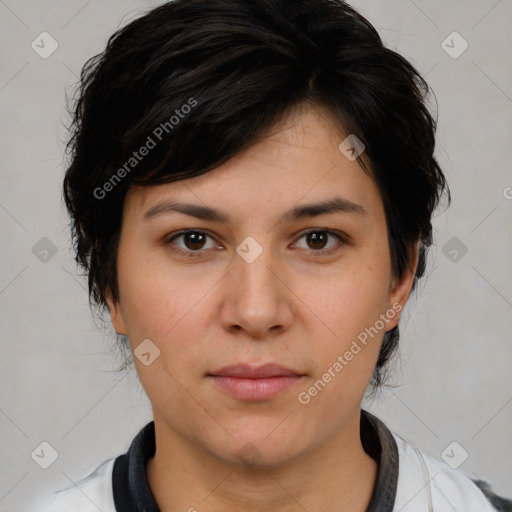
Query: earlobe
401, 287
116, 316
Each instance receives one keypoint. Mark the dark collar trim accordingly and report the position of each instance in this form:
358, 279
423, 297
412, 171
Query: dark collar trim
379, 443
129, 478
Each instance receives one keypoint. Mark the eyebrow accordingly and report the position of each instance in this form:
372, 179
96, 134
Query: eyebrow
334, 205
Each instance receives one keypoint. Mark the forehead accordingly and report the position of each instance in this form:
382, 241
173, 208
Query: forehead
298, 156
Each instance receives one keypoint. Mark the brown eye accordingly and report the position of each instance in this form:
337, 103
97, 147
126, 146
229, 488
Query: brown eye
194, 240
317, 239
191, 242
320, 241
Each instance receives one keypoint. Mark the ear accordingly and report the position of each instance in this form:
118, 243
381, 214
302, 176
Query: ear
401, 287
116, 315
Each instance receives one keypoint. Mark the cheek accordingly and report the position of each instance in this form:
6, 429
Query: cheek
350, 304
169, 308
352, 301
344, 360
151, 297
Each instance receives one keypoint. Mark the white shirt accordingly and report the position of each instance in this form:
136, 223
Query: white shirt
424, 483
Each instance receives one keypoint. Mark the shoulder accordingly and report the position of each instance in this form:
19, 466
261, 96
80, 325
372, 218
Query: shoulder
91, 494
425, 481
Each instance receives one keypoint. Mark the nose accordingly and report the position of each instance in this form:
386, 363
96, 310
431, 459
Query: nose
257, 298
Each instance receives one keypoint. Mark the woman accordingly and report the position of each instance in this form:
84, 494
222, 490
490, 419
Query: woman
251, 189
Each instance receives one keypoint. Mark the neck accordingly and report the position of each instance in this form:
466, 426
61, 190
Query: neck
339, 476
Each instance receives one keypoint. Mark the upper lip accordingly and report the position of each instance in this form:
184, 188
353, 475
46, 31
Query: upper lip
255, 372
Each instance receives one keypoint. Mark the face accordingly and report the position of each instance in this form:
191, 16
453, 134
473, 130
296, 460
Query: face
251, 274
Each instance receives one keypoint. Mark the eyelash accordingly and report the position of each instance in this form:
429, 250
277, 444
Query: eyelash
194, 254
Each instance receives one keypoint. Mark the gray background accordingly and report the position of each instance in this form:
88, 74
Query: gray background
453, 376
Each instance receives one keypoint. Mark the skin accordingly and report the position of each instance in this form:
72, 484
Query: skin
301, 303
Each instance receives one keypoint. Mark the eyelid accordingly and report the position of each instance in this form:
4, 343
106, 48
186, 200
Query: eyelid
335, 232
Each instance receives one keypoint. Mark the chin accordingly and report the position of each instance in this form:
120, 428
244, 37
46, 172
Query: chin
261, 447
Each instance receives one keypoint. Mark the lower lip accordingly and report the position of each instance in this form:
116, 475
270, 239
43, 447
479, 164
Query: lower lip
255, 389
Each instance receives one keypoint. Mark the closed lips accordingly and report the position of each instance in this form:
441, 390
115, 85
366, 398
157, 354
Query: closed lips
259, 372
